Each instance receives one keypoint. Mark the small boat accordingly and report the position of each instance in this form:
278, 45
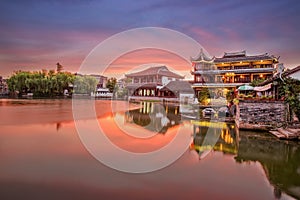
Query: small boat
102, 93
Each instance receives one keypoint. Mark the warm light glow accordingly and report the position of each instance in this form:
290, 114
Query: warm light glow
229, 74
241, 62
261, 60
225, 91
261, 76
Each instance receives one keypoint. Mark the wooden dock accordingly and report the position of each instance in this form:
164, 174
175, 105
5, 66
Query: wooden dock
286, 134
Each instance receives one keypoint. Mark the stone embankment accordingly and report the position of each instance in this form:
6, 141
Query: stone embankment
266, 115
261, 115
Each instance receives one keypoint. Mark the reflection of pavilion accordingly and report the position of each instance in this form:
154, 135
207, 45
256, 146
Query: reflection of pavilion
279, 159
217, 136
154, 116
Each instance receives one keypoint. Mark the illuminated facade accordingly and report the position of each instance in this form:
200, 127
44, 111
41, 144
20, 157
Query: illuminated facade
230, 71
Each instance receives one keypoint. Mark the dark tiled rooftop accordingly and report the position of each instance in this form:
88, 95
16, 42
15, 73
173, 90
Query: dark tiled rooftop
181, 86
161, 70
239, 58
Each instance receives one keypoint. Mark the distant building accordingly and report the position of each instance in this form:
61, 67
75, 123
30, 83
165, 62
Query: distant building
121, 83
148, 82
102, 80
230, 71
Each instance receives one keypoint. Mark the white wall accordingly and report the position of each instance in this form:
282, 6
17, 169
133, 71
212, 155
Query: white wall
165, 80
295, 75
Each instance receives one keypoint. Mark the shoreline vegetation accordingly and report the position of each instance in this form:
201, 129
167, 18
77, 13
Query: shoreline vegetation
59, 84
48, 83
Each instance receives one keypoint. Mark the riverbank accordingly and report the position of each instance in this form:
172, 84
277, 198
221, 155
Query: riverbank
28, 111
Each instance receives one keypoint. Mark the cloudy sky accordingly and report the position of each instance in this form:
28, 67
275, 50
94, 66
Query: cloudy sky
37, 34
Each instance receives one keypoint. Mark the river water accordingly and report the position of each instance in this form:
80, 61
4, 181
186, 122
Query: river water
43, 156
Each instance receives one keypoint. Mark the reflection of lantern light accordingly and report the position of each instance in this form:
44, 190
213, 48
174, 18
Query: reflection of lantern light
141, 107
148, 107
145, 108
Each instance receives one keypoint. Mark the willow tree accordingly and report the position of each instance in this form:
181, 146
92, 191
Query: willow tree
85, 84
40, 83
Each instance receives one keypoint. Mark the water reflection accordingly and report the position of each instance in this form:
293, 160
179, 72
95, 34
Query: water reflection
154, 116
279, 159
34, 153
223, 135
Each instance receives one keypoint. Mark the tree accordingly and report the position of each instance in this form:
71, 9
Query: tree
111, 84
256, 82
204, 95
40, 83
289, 90
59, 67
85, 84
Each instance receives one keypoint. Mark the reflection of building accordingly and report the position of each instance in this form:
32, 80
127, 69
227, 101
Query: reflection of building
217, 136
3, 86
147, 83
154, 116
230, 71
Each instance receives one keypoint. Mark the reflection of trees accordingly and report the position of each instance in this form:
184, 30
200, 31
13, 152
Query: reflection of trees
58, 125
280, 160
154, 116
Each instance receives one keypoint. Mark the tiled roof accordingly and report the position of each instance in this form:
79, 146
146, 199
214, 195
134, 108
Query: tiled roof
286, 73
180, 86
160, 70
237, 71
234, 54
235, 57
202, 57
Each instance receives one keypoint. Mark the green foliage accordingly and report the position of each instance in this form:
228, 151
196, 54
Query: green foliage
85, 84
111, 84
203, 95
40, 83
256, 82
242, 96
289, 90
122, 92
230, 95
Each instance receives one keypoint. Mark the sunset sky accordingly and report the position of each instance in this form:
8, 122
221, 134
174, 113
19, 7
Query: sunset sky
37, 34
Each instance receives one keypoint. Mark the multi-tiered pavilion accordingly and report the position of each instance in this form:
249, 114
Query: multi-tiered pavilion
230, 71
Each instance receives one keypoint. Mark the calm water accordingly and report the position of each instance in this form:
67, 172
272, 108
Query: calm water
42, 156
